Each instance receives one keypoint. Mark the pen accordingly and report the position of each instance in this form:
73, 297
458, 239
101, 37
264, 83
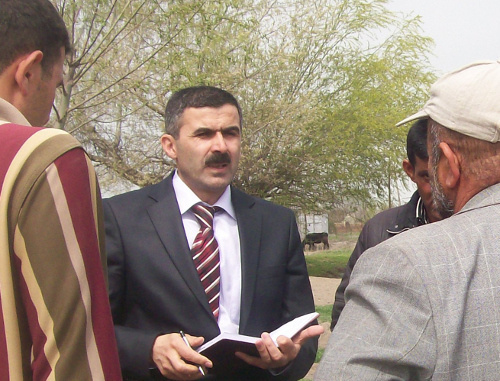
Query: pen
187, 343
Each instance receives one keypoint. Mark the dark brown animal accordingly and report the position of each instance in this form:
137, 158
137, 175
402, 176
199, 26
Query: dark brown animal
313, 238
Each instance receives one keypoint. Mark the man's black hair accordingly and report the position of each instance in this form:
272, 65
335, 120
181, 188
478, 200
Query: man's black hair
30, 25
416, 142
197, 97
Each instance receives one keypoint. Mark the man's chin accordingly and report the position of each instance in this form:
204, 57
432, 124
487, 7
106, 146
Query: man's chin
218, 180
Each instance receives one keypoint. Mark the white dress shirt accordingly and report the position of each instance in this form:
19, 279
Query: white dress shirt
227, 236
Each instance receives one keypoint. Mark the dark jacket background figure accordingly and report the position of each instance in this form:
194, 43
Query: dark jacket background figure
380, 227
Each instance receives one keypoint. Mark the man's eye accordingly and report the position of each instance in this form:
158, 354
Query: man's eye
204, 134
232, 132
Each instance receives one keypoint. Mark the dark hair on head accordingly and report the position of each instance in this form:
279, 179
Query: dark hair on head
416, 142
29, 25
197, 97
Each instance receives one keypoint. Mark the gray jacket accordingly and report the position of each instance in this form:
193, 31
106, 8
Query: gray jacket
425, 304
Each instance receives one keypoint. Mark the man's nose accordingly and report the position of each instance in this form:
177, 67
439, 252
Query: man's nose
219, 143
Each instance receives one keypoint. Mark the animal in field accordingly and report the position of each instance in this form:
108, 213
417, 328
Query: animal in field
312, 238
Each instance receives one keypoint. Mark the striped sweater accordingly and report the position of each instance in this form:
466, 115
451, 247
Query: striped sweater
55, 321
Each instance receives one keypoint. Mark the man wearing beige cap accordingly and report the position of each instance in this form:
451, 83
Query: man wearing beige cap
426, 303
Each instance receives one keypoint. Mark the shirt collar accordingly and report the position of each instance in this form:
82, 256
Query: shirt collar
186, 198
10, 114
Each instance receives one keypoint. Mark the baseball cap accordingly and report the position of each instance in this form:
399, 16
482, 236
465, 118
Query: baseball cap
466, 100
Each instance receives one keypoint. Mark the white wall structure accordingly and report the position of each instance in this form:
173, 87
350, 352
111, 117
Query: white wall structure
312, 223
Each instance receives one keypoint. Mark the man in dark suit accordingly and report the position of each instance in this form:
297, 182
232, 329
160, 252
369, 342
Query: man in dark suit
152, 235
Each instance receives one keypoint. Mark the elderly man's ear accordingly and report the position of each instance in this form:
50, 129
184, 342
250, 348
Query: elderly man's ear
450, 169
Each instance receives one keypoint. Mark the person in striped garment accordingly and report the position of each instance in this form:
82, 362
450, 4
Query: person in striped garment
55, 319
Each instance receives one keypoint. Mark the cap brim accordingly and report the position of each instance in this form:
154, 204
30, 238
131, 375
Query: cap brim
419, 115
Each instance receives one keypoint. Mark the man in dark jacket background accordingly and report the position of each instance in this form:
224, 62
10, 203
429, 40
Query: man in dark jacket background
418, 211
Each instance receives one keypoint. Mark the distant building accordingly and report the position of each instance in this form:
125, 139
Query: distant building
312, 223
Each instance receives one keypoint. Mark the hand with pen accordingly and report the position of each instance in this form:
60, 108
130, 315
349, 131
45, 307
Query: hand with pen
175, 359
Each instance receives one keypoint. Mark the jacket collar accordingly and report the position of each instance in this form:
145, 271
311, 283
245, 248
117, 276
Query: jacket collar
166, 218
488, 196
412, 215
10, 114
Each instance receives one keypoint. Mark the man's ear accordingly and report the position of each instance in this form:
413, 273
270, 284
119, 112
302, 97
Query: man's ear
29, 71
409, 169
451, 169
169, 146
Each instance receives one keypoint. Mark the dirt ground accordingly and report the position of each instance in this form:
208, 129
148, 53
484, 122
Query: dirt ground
324, 290
324, 294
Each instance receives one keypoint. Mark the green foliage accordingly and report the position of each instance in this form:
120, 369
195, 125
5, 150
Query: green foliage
328, 263
321, 84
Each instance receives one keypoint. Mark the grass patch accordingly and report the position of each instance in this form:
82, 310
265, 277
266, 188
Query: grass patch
325, 316
319, 354
325, 313
327, 263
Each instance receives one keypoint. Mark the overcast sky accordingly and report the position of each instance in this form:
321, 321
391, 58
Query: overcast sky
463, 30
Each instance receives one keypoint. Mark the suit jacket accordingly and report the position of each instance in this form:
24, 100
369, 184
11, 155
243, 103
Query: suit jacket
425, 304
155, 289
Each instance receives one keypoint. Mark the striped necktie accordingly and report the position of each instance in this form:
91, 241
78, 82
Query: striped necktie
205, 252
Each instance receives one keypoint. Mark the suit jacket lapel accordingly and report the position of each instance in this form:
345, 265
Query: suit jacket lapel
250, 227
166, 218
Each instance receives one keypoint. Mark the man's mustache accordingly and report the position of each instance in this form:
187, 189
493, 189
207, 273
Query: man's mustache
218, 158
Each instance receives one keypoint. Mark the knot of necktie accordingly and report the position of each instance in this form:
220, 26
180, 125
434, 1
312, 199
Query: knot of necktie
205, 214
